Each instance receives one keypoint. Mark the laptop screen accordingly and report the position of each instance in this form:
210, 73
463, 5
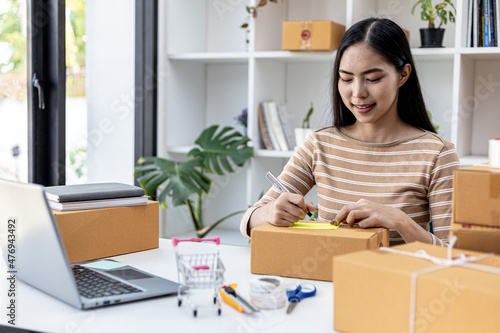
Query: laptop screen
37, 255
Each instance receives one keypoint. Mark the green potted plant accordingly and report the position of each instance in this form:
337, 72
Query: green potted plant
302, 132
432, 36
186, 182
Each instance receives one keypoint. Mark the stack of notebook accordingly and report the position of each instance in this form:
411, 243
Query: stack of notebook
95, 195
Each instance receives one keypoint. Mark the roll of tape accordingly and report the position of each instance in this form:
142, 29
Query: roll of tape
494, 153
268, 292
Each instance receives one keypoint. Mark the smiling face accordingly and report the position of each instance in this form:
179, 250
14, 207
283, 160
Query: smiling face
369, 85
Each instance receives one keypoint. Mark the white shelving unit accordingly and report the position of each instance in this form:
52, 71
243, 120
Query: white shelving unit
208, 74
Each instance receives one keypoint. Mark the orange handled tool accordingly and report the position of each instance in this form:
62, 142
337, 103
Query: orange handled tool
231, 297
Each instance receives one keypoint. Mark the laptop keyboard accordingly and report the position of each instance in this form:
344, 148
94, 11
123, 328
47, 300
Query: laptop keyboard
92, 284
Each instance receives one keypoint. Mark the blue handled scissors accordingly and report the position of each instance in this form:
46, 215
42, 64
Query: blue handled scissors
296, 293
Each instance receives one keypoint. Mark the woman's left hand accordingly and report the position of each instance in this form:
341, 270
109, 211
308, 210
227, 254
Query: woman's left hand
371, 214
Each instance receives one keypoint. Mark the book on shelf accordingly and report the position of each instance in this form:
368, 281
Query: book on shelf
287, 126
92, 191
274, 127
271, 109
95, 204
264, 130
494, 12
483, 23
469, 29
486, 23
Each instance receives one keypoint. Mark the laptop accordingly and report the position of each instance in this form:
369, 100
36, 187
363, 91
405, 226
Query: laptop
33, 250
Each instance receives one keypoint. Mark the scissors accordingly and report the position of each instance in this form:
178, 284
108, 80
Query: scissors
296, 293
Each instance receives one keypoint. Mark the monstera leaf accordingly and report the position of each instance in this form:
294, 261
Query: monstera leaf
217, 149
183, 179
217, 152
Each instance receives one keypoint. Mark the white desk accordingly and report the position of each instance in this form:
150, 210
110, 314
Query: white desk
38, 311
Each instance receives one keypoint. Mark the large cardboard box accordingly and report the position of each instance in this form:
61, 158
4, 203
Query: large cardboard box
476, 237
98, 233
307, 253
476, 196
373, 289
311, 35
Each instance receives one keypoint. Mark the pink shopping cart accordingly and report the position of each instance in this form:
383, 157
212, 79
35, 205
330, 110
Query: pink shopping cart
199, 271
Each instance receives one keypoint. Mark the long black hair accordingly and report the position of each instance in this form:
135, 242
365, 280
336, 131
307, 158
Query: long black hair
389, 40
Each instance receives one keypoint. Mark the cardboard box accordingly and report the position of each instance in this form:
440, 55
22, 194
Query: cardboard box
372, 292
98, 233
311, 35
407, 34
476, 196
307, 253
476, 237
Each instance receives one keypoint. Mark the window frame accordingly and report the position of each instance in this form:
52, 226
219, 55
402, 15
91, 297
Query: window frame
146, 79
46, 124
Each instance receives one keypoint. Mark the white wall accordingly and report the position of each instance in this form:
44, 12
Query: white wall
110, 28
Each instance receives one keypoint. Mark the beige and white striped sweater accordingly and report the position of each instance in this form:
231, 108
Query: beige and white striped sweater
413, 174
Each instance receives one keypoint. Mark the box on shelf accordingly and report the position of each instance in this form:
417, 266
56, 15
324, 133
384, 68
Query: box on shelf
372, 292
105, 232
307, 253
311, 35
476, 196
476, 237
407, 34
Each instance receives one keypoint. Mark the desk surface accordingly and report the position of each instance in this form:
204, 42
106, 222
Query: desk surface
38, 311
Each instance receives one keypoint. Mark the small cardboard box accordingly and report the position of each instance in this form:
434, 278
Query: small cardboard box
307, 253
476, 237
476, 196
105, 232
311, 35
372, 292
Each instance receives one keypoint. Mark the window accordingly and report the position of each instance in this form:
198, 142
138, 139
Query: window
76, 118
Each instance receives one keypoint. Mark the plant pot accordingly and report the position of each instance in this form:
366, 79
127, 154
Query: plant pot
431, 37
301, 134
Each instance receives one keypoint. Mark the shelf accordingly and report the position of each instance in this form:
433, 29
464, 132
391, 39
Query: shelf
445, 53
179, 149
473, 160
297, 56
481, 53
211, 57
273, 153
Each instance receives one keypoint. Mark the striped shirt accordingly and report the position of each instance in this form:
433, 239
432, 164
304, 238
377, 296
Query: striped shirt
414, 175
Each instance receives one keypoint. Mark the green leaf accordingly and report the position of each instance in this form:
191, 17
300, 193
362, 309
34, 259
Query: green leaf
414, 6
219, 148
305, 121
182, 179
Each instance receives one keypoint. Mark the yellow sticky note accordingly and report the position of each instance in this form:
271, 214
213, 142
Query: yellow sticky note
314, 225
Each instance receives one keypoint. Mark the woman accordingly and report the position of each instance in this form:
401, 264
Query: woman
381, 163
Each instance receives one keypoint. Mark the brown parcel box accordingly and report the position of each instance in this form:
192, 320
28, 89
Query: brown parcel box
476, 196
476, 237
307, 253
105, 232
372, 293
311, 35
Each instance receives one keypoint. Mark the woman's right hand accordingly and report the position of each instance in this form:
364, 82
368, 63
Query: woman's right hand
287, 209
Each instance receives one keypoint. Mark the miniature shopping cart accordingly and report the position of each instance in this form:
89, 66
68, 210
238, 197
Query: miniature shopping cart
199, 271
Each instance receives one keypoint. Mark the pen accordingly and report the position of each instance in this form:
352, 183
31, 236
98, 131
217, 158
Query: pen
276, 182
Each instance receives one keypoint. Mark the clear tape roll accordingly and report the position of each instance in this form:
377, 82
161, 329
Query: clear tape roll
494, 153
268, 292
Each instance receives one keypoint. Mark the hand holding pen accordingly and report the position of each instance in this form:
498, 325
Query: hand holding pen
278, 184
